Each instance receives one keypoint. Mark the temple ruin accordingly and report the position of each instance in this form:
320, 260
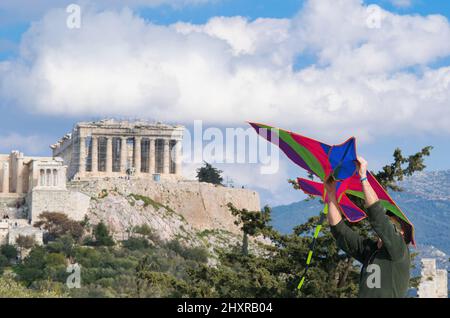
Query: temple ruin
20, 174
110, 148
93, 150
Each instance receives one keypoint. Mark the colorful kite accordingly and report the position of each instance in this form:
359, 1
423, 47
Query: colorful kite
325, 161
350, 210
317, 158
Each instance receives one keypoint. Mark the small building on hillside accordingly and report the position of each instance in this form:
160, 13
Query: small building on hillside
433, 281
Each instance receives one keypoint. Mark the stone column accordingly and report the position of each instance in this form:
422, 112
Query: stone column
151, 156
19, 172
178, 156
166, 166
82, 156
5, 178
137, 154
94, 154
123, 155
109, 155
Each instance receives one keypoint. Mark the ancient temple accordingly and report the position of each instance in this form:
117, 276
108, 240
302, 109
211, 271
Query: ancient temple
111, 148
19, 174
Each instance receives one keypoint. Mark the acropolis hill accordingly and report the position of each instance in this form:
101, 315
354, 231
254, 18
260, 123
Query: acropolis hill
120, 172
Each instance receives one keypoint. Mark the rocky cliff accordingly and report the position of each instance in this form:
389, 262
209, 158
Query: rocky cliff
185, 210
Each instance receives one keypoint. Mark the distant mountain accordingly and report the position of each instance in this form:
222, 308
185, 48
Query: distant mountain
425, 200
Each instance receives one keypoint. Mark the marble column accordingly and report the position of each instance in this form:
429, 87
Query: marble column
109, 155
82, 156
178, 158
137, 154
166, 166
151, 156
5, 178
94, 154
19, 172
123, 154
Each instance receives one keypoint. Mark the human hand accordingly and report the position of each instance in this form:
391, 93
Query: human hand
330, 188
362, 167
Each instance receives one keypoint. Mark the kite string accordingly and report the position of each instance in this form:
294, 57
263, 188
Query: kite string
323, 215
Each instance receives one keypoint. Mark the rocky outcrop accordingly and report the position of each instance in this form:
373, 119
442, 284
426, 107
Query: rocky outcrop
203, 206
122, 212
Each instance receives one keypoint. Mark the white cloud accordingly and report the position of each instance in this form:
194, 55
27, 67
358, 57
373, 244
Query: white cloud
230, 70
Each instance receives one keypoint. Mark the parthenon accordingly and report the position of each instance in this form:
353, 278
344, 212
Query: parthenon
110, 148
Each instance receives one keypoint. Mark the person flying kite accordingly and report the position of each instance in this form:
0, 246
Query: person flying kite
343, 173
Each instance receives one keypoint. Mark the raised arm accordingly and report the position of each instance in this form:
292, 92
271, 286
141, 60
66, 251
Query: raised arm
369, 194
386, 231
348, 240
334, 215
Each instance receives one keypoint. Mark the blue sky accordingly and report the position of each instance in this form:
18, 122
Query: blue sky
29, 121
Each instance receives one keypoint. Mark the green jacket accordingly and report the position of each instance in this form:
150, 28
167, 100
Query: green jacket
392, 258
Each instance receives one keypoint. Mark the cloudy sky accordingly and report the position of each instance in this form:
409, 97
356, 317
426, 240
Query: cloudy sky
379, 70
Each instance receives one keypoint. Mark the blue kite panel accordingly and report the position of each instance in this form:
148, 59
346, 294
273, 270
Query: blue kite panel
343, 159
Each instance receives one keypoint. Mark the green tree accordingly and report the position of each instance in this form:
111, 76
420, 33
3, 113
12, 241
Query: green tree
33, 266
102, 236
65, 245
143, 229
253, 223
9, 251
209, 174
402, 167
3, 262
136, 243
59, 224
150, 278
10, 288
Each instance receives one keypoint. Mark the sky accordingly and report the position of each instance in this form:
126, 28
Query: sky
329, 69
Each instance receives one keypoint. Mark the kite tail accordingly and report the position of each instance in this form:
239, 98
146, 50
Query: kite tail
323, 216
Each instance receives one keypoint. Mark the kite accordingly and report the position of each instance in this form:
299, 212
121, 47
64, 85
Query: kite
324, 161
317, 158
350, 210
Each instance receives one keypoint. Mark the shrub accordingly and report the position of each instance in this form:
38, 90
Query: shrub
197, 254
143, 229
134, 243
102, 237
9, 251
3, 262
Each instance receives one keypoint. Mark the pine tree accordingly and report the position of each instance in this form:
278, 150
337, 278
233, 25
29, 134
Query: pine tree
209, 174
253, 223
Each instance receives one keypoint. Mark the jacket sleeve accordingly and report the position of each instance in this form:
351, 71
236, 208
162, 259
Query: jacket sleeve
386, 231
351, 242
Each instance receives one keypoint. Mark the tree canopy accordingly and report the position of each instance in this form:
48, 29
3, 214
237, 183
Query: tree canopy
209, 174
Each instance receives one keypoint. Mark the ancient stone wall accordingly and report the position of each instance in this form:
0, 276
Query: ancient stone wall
72, 203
